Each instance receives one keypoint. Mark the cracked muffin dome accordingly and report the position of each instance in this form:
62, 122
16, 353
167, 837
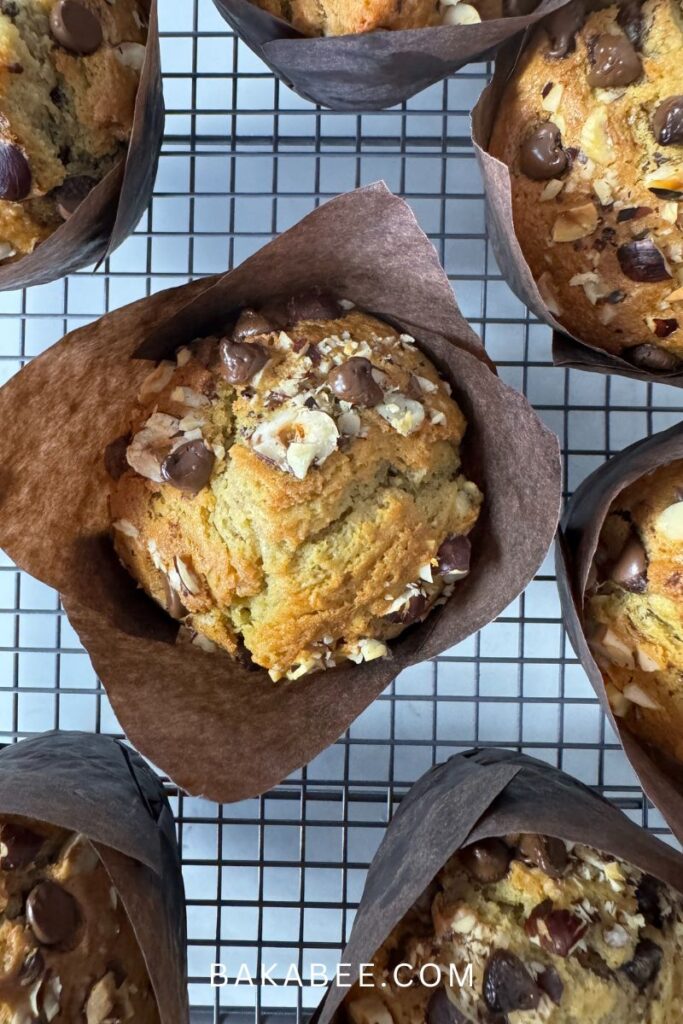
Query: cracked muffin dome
591, 128
69, 74
553, 933
348, 17
67, 949
292, 491
634, 608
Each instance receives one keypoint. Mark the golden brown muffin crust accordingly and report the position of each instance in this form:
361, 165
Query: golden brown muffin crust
348, 17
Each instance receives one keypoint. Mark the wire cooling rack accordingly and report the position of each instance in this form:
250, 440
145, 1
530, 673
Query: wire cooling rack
276, 879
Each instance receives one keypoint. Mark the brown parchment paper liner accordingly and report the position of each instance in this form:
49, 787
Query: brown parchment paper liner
568, 350
112, 209
372, 70
100, 787
660, 776
53, 498
473, 796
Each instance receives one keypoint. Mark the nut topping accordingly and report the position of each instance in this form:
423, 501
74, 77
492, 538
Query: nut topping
667, 122
575, 223
613, 62
353, 382
541, 155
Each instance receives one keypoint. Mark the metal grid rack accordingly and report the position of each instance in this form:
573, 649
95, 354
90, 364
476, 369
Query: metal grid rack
276, 879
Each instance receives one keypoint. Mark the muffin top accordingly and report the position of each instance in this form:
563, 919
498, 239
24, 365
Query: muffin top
67, 949
69, 74
554, 933
292, 490
591, 127
347, 17
634, 607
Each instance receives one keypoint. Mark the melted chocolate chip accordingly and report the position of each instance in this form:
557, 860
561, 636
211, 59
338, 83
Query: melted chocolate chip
53, 915
413, 610
630, 568
640, 260
31, 969
562, 27
487, 860
644, 967
15, 173
647, 895
630, 18
242, 360
454, 555
592, 961
508, 986
71, 194
313, 305
652, 357
440, 1010
250, 323
613, 62
20, 846
551, 983
189, 467
115, 461
541, 155
75, 27
664, 326
353, 382
633, 213
667, 123
546, 852
558, 931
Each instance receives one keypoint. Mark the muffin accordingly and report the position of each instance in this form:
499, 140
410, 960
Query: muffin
69, 73
590, 126
67, 949
347, 17
292, 491
634, 607
527, 929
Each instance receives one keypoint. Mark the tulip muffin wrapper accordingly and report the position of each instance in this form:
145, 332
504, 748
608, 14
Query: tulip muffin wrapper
99, 787
568, 350
478, 795
112, 209
215, 727
372, 70
660, 776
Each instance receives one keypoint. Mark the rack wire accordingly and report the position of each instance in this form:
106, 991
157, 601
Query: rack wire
276, 879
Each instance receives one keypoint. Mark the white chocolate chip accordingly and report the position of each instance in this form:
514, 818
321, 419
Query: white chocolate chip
670, 522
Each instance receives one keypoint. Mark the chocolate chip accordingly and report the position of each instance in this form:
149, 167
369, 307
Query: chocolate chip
641, 260
413, 610
70, 194
15, 68
75, 27
551, 983
115, 461
613, 62
667, 123
53, 915
508, 986
541, 155
454, 555
241, 360
647, 895
633, 213
615, 297
19, 845
644, 967
558, 931
31, 969
630, 568
15, 173
630, 18
487, 860
353, 382
250, 323
189, 467
562, 27
592, 961
440, 1010
664, 326
546, 852
652, 357
313, 305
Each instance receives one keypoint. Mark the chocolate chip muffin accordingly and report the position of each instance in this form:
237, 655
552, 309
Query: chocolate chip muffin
591, 127
346, 17
69, 73
634, 607
553, 933
68, 952
292, 491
